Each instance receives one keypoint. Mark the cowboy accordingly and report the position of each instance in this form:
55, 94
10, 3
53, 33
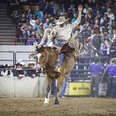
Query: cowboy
110, 74
61, 33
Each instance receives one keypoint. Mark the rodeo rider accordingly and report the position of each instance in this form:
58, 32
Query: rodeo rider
62, 34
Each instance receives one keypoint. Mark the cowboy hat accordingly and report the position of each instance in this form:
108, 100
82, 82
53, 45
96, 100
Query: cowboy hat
31, 62
61, 20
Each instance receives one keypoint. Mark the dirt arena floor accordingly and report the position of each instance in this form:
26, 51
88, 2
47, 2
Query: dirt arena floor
69, 106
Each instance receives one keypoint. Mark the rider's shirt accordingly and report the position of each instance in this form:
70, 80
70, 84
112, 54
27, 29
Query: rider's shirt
61, 33
64, 33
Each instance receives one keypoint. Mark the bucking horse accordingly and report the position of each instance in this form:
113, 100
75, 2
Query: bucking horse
47, 57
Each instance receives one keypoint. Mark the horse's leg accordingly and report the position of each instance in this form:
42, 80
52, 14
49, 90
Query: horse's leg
60, 82
56, 94
58, 86
47, 90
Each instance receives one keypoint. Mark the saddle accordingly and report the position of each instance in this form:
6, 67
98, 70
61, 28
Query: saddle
66, 49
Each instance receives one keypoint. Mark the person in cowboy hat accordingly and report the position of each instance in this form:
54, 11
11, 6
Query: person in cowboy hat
61, 32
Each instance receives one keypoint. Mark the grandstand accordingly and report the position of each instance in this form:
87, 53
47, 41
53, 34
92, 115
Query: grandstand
7, 27
20, 29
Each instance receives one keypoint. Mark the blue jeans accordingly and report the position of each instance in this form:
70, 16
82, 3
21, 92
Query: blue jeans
113, 94
53, 87
65, 85
95, 80
109, 87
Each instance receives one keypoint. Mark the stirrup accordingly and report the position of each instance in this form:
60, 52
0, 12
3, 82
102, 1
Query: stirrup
58, 69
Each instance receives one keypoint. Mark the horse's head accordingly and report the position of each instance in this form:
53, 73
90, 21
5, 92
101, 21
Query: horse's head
46, 56
42, 55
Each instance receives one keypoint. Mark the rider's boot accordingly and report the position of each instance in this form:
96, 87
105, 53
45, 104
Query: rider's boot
60, 61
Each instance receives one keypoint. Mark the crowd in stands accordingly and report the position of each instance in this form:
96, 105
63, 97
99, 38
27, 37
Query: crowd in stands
97, 17
20, 70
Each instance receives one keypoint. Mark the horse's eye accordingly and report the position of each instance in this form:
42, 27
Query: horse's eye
42, 56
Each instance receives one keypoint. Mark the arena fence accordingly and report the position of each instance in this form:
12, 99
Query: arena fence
25, 87
14, 87
15, 56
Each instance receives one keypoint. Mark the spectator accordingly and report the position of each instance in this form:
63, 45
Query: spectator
113, 48
1, 69
47, 24
110, 74
37, 24
31, 71
19, 72
114, 34
38, 13
18, 33
96, 70
26, 29
96, 42
10, 71
7, 71
33, 22
108, 44
22, 2
40, 32
74, 17
22, 19
4, 72
31, 40
28, 14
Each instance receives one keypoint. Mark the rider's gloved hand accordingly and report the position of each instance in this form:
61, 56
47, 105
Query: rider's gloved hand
35, 44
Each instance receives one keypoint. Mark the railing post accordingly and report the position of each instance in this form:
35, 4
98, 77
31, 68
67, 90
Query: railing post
15, 41
14, 59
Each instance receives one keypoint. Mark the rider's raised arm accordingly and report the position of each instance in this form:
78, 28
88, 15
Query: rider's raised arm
51, 35
45, 36
78, 20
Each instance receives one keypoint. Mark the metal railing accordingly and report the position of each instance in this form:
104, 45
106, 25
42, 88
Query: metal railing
14, 59
16, 41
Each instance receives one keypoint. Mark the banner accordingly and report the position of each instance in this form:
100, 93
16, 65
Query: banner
79, 89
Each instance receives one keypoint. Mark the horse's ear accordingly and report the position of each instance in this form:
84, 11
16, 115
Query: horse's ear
39, 48
42, 46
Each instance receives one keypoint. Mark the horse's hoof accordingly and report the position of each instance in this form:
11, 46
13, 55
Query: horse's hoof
56, 102
56, 105
46, 101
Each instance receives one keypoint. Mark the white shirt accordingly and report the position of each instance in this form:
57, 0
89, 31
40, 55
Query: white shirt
62, 33
65, 32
